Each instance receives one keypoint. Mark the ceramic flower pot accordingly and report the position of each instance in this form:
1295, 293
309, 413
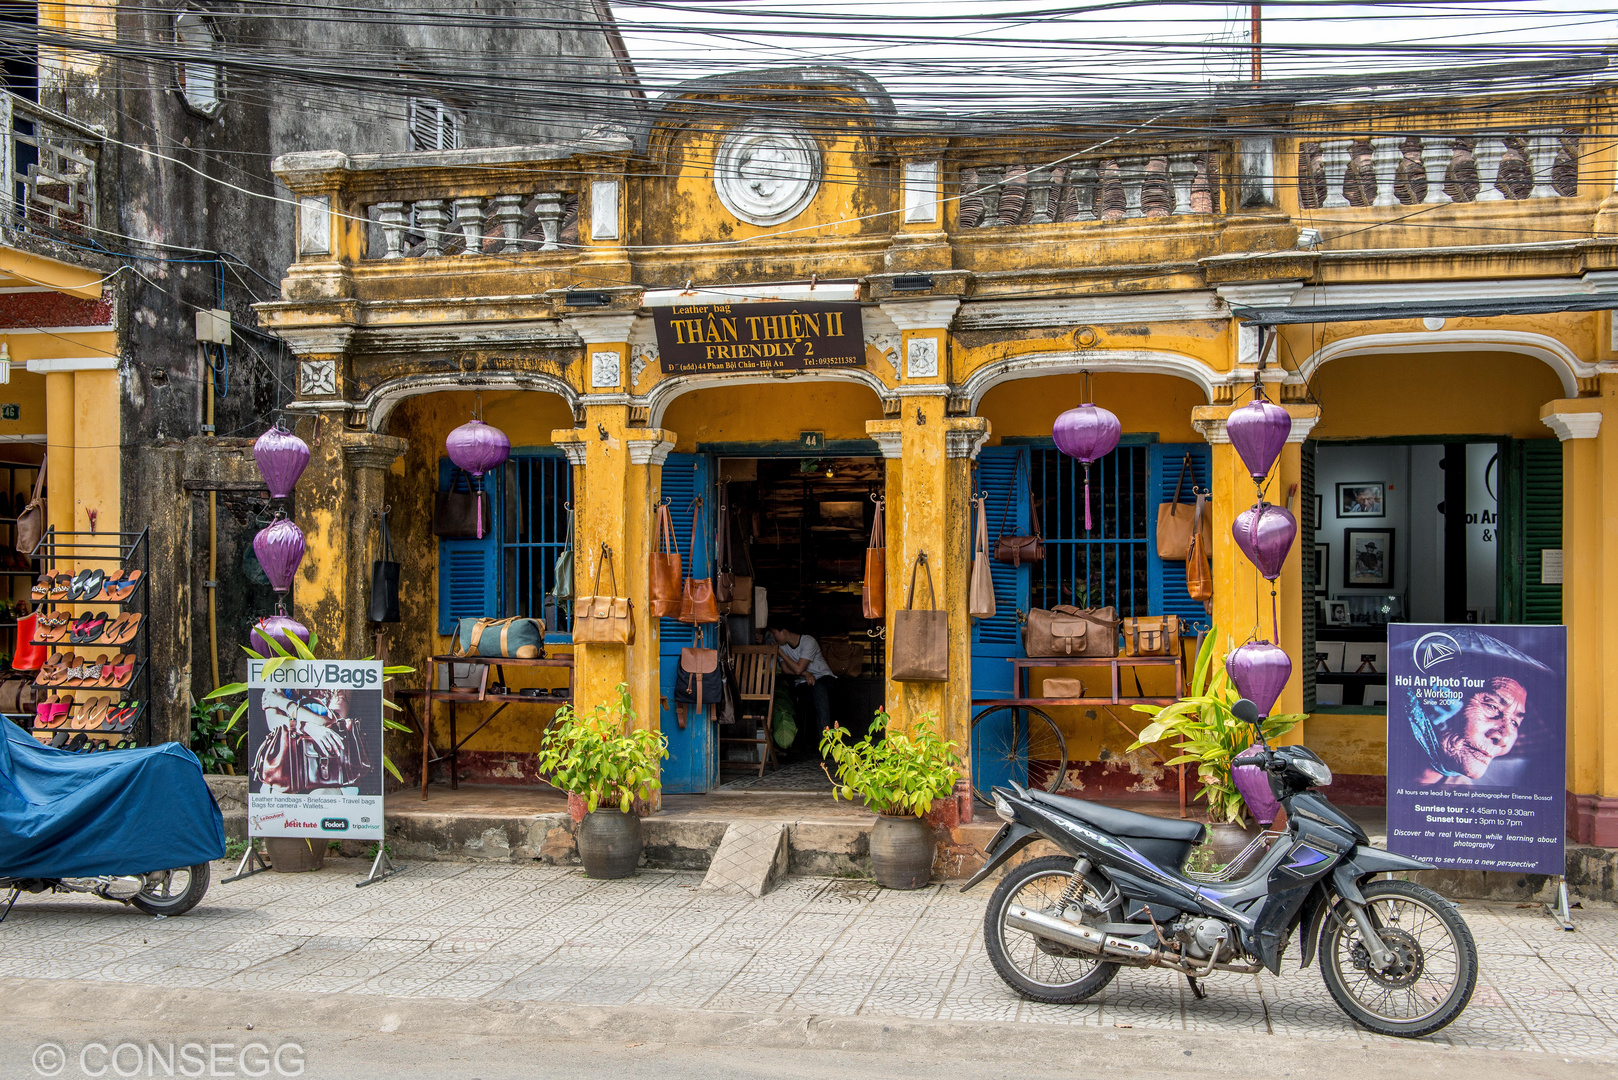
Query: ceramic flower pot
902, 851
294, 854
610, 844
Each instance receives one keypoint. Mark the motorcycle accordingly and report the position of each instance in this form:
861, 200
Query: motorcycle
161, 892
1395, 956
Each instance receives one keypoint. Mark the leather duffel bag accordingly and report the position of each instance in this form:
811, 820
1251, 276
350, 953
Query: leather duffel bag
511, 639
1072, 631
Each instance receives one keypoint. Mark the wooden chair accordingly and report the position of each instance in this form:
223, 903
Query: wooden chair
756, 667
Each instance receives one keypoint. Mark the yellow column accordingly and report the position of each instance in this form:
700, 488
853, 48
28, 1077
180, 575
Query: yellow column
61, 440
1589, 595
98, 454
1241, 600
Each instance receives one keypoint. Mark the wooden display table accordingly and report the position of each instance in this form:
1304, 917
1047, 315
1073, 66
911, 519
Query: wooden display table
467, 695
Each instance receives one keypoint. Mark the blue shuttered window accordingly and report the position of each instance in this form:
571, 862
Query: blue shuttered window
469, 569
1106, 564
1542, 528
692, 764
1000, 475
1166, 593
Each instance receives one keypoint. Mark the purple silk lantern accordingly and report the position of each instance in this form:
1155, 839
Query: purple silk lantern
1258, 431
276, 628
478, 448
1087, 433
1254, 784
1265, 533
279, 547
1259, 671
281, 458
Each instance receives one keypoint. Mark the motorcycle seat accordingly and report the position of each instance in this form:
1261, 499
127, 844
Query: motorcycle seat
1123, 822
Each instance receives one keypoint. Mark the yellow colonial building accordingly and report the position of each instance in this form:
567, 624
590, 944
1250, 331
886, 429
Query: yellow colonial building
1425, 288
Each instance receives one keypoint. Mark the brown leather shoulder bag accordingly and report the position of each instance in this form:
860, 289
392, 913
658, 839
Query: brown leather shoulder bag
1018, 550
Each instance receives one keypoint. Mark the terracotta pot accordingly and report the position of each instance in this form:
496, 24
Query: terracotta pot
295, 854
902, 851
610, 844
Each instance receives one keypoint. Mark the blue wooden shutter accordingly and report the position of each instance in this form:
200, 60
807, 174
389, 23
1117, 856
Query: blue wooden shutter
469, 569
1165, 578
1542, 527
692, 764
1002, 474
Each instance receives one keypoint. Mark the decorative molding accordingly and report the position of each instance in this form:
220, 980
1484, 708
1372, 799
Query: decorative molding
641, 354
934, 314
767, 172
649, 451
670, 388
606, 369
921, 358
314, 225
1035, 365
920, 191
1133, 308
891, 443
603, 209
1301, 427
602, 328
372, 451
574, 452
316, 340
317, 378
1541, 347
380, 402
1573, 425
1259, 293
72, 363
1213, 430
965, 443
832, 292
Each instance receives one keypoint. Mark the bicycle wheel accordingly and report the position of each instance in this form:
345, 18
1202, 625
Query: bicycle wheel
1016, 742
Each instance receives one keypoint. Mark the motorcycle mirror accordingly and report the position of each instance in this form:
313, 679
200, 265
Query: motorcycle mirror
1247, 711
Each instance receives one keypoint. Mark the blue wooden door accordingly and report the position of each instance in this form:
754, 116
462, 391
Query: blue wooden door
1166, 592
1002, 475
693, 762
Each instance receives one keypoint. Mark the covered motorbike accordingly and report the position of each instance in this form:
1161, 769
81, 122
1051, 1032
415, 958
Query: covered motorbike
137, 826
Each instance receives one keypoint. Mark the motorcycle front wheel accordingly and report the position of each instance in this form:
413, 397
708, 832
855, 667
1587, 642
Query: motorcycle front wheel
1036, 968
173, 892
1435, 966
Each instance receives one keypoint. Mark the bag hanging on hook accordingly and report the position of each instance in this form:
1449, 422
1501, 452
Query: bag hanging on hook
921, 638
385, 579
874, 593
666, 568
562, 572
1018, 550
1198, 569
980, 593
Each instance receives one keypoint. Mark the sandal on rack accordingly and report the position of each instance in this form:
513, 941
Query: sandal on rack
122, 630
118, 673
55, 671
88, 629
125, 586
61, 585
49, 629
42, 589
93, 584
91, 672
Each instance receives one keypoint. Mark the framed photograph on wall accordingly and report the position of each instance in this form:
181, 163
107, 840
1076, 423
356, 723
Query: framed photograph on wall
1363, 499
1336, 613
1322, 567
1367, 558
1320, 511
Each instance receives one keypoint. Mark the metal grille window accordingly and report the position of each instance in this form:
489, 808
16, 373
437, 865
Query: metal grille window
539, 488
1108, 563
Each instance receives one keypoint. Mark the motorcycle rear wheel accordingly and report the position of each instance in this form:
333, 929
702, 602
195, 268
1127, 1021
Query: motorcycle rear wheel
1436, 969
1040, 970
173, 892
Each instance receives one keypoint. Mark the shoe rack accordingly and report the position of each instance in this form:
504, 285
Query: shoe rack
17, 569
97, 590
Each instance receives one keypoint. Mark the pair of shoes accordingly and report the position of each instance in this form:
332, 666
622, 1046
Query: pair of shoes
122, 630
121, 718
117, 672
51, 628
89, 715
87, 629
122, 584
86, 584
51, 713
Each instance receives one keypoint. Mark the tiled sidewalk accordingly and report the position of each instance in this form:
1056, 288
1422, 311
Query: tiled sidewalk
814, 945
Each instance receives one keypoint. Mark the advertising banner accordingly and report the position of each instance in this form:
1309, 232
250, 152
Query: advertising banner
774, 336
1477, 735
314, 740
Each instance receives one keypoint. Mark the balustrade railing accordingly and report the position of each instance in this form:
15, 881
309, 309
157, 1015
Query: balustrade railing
1150, 185
51, 162
1411, 170
505, 224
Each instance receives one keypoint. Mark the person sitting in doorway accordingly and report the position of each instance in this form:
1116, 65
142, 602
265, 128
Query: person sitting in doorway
800, 656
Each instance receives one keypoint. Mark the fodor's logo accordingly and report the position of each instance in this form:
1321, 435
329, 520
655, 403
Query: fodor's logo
334, 824
1435, 649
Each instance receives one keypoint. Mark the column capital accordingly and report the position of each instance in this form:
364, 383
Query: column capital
964, 436
1569, 421
601, 327
888, 435
935, 313
570, 441
649, 447
371, 451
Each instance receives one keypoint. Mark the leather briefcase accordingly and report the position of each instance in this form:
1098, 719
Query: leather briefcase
1151, 635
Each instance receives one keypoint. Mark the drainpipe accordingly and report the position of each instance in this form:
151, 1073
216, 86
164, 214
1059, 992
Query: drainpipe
212, 584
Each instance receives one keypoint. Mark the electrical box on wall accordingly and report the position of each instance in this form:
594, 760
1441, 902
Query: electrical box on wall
213, 327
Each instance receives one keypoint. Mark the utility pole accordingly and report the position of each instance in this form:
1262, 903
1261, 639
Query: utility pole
1257, 38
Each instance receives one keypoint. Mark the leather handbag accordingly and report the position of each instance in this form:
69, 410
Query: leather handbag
28, 656
1174, 521
511, 639
1198, 568
921, 638
700, 681
874, 593
1018, 550
385, 580
562, 572
980, 593
1072, 631
1061, 688
458, 514
666, 570
697, 603
1151, 635
604, 619
31, 518
289, 758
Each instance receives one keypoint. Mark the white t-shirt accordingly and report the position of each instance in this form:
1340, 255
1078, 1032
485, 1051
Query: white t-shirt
808, 649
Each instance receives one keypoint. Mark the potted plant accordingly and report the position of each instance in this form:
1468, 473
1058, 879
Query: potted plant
601, 757
899, 776
1210, 735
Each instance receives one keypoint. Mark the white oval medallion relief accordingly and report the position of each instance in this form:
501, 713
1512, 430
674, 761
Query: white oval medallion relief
767, 173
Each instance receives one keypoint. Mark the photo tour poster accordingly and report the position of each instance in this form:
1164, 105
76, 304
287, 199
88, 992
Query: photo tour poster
1477, 733
314, 743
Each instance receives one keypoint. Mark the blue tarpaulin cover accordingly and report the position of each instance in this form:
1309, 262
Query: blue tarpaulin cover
119, 812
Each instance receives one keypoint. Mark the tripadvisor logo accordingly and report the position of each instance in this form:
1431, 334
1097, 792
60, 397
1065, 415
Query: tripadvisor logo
334, 824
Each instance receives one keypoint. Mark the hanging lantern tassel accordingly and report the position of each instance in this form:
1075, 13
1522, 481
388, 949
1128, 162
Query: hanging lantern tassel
1086, 496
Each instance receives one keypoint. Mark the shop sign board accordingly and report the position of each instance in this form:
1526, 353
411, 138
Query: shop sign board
713, 339
1477, 734
314, 743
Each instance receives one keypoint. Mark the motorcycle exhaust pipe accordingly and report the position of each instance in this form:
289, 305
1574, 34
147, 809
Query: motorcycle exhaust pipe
1078, 936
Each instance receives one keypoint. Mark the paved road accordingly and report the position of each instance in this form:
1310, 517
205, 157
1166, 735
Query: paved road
526, 955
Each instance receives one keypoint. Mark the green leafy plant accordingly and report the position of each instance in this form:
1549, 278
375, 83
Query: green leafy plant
601, 756
1209, 734
210, 739
304, 650
893, 772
